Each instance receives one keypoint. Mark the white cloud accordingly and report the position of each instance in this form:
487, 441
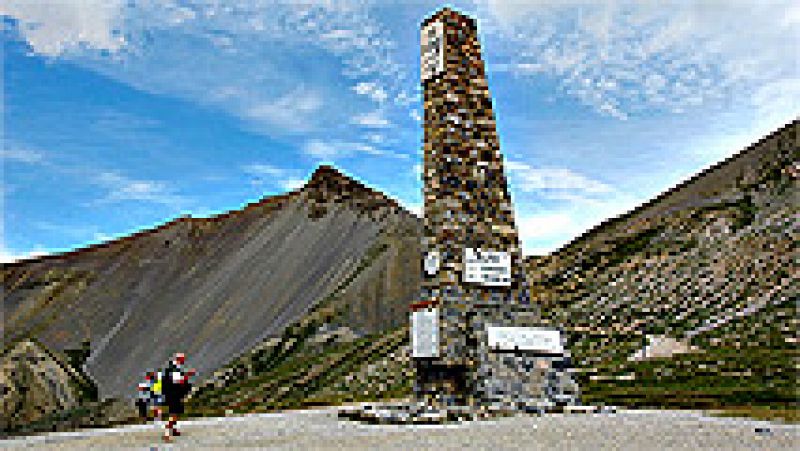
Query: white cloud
8, 255
573, 204
376, 138
237, 55
53, 27
76, 232
277, 176
121, 188
294, 111
21, 155
792, 16
539, 179
545, 230
546, 225
333, 149
626, 57
372, 90
102, 237
242, 57
292, 184
261, 169
777, 103
328, 150
373, 119
415, 208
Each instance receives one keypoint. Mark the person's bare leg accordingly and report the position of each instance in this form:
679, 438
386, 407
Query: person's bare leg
167, 426
174, 423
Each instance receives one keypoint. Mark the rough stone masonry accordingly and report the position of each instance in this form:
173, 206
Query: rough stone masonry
474, 330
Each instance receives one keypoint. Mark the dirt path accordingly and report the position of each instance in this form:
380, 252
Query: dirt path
320, 429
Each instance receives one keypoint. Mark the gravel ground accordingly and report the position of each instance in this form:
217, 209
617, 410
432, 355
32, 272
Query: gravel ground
320, 429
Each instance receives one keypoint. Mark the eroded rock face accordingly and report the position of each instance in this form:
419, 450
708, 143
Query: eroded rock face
34, 384
695, 263
662, 347
214, 288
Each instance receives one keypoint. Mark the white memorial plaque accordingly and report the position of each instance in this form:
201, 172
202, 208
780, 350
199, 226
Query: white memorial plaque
488, 268
425, 333
432, 50
537, 339
432, 263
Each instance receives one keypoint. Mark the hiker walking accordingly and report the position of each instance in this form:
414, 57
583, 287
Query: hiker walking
175, 386
145, 397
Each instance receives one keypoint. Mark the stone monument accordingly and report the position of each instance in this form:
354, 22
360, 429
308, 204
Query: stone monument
474, 330
475, 336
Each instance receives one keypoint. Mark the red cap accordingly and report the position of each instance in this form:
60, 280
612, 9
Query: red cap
180, 358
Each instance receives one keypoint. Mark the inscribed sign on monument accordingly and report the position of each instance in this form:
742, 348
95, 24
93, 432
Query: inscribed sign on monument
487, 268
537, 339
425, 333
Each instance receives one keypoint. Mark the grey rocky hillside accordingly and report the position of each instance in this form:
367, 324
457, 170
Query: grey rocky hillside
214, 288
708, 267
687, 301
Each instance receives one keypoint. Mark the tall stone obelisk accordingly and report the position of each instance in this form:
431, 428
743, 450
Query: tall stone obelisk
472, 273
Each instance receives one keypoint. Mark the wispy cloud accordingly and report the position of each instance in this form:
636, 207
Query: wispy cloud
372, 119
565, 204
337, 149
80, 232
262, 169
286, 179
625, 57
9, 255
554, 179
53, 28
117, 186
545, 228
120, 188
547, 225
21, 155
292, 184
254, 55
415, 208
372, 90
294, 111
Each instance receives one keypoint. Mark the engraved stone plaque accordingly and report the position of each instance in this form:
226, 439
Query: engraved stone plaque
425, 333
432, 50
537, 339
432, 263
487, 268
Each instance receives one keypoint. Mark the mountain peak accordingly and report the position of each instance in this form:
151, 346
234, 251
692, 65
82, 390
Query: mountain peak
327, 169
328, 186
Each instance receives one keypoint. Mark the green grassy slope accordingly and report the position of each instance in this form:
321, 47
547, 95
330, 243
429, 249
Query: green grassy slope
714, 270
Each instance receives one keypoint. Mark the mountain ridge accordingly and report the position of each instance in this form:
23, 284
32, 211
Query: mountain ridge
324, 177
311, 289
215, 287
748, 152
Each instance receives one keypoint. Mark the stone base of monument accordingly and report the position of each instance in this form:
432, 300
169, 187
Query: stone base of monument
421, 413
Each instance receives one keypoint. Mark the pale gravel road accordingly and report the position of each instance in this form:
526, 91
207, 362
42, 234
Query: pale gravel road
320, 429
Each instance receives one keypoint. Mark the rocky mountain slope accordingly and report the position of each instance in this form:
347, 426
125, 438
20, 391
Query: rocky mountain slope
216, 287
702, 278
687, 301
43, 391
35, 383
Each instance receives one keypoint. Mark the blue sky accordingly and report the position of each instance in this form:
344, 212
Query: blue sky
120, 115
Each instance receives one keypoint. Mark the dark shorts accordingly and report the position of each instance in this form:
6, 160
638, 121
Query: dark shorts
174, 407
142, 405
